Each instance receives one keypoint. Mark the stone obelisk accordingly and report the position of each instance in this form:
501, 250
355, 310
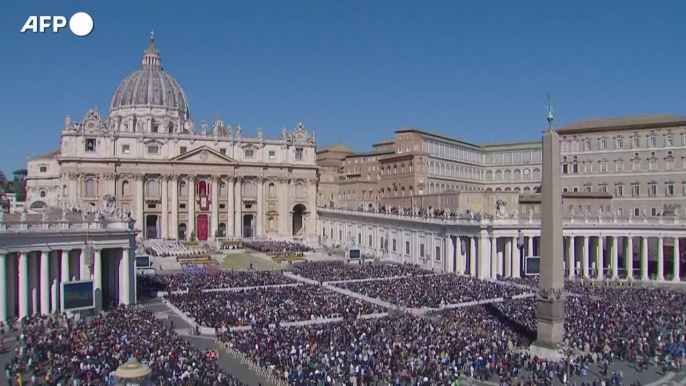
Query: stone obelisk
550, 298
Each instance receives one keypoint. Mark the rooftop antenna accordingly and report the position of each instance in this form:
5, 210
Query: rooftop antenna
550, 112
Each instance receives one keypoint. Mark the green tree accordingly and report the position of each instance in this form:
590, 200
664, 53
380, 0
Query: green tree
18, 186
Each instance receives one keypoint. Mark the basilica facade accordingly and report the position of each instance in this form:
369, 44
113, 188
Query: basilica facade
179, 182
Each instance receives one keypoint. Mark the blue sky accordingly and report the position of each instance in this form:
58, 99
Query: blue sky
353, 71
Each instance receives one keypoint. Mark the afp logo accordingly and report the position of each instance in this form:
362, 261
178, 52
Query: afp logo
81, 24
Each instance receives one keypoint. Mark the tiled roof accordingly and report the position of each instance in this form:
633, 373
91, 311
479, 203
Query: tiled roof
642, 121
49, 155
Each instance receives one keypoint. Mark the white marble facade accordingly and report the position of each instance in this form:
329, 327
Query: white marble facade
181, 183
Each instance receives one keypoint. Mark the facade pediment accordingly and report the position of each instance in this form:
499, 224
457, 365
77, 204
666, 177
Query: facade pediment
201, 155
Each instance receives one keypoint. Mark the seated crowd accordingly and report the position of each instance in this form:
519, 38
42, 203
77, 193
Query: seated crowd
273, 246
338, 270
88, 351
578, 286
170, 248
220, 279
431, 291
479, 341
263, 306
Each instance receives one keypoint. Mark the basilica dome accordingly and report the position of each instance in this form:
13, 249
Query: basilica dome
151, 86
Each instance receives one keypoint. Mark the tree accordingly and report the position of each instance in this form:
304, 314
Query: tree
18, 186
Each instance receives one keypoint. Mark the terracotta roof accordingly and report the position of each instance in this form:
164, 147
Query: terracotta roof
642, 121
436, 135
49, 155
340, 147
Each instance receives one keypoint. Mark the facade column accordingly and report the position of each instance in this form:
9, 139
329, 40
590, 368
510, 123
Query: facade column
660, 259
450, 264
530, 246
494, 257
3, 288
457, 262
191, 208
676, 269
283, 208
571, 257
644, 258
615, 257
472, 256
125, 281
629, 257
484, 255
516, 259
34, 262
164, 181
23, 285
54, 281
238, 218
215, 206
45, 282
600, 258
64, 273
140, 204
508, 258
260, 206
97, 279
586, 257
230, 227
173, 231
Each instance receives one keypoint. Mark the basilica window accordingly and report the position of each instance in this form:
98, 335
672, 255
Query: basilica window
90, 187
537, 174
272, 154
249, 153
182, 188
151, 188
182, 149
652, 141
126, 149
222, 150
272, 191
125, 188
222, 189
299, 190
669, 140
247, 189
90, 145
619, 143
153, 149
299, 153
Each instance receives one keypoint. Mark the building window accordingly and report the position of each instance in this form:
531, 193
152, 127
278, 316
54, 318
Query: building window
272, 154
299, 153
636, 165
587, 144
637, 212
619, 191
669, 140
182, 149
155, 128
652, 141
587, 189
407, 247
359, 239
90, 145
125, 188
603, 144
603, 189
272, 191
636, 190
588, 167
299, 190
653, 190
126, 149
653, 212
421, 250
670, 189
151, 188
394, 245
222, 150
619, 166
619, 143
90, 187
370, 241
575, 189
635, 142
603, 166
43, 169
247, 189
153, 149
43, 193
249, 153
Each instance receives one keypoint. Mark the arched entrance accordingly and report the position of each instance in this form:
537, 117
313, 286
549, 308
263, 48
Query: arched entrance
151, 226
203, 227
298, 219
181, 233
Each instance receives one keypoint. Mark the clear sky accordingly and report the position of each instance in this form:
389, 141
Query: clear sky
353, 71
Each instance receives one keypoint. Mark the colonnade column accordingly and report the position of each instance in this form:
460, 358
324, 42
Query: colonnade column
283, 208
238, 219
215, 206
84, 271
97, 279
450, 263
230, 227
458, 261
571, 256
644, 258
191, 208
629, 257
44, 283
508, 258
660, 259
676, 269
23, 285
585, 257
54, 280
3, 288
517, 259
484, 255
260, 206
173, 230
64, 271
494, 256
125, 281
472, 256
600, 258
615, 257
530, 246
164, 181
140, 203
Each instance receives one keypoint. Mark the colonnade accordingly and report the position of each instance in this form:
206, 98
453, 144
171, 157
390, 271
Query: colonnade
32, 279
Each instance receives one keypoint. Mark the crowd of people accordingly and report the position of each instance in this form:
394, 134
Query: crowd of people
263, 306
274, 246
324, 271
61, 351
171, 248
432, 291
576, 286
220, 279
